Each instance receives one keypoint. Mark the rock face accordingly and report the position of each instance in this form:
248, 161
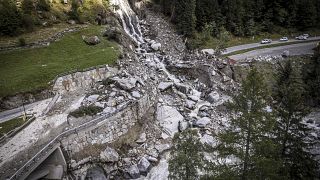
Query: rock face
109, 155
169, 118
93, 40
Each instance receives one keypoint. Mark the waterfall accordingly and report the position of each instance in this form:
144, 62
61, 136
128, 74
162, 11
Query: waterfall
130, 20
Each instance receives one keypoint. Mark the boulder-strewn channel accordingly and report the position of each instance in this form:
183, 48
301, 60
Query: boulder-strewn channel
156, 90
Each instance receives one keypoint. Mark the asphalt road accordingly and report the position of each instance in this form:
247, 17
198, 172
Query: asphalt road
255, 45
294, 50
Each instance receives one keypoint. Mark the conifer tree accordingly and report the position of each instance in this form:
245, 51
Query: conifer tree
248, 139
291, 134
186, 156
185, 17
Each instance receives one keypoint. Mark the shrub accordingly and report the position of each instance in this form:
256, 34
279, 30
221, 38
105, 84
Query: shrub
43, 5
22, 42
86, 111
10, 18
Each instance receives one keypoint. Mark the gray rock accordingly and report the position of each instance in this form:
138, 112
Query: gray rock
93, 40
213, 97
182, 88
96, 173
169, 118
72, 22
190, 104
136, 94
93, 98
164, 86
133, 171
126, 84
144, 166
209, 140
109, 155
162, 147
156, 46
202, 122
207, 51
142, 138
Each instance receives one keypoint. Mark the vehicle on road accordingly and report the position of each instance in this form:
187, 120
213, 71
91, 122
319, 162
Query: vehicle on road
266, 41
301, 37
284, 39
306, 35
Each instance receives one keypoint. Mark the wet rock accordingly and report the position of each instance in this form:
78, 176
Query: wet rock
202, 122
133, 172
144, 166
93, 40
109, 155
213, 97
142, 138
164, 86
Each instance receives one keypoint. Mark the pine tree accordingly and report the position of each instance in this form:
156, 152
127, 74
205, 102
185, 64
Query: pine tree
185, 17
10, 18
292, 134
248, 139
186, 156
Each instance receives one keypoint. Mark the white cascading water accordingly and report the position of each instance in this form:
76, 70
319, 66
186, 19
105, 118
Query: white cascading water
130, 20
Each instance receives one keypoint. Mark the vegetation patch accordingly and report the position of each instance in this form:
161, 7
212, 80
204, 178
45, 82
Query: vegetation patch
33, 69
10, 125
86, 111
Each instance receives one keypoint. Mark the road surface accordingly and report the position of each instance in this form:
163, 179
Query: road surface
13, 113
255, 45
294, 50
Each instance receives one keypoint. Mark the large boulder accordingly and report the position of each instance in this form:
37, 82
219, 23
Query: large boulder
207, 51
125, 83
164, 86
113, 33
93, 40
213, 97
109, 155
169, 118
96, 173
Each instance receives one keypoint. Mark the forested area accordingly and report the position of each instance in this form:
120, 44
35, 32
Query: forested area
241, 17
259, 142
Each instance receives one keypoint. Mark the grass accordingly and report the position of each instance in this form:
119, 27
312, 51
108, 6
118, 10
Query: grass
7, 126
31, 69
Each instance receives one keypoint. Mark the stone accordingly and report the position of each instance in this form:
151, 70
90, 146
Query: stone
72, 22
182, 88
142, 138
202, 122
190, 104
93, 98
156, 46
133, 171
125, 83
209, 140
93, 40
96, 173
136, 94
109, 155
144, 166
152, 159
162, 147
207, 51
169, 118
164, 86
213, 97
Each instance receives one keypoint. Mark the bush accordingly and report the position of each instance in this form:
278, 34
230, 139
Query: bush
43, 5
22, 42
10, 18
86, 111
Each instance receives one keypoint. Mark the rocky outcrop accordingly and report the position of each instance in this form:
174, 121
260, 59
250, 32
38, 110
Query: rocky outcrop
93, 40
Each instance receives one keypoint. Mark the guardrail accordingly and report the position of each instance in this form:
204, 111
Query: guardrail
56, 140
